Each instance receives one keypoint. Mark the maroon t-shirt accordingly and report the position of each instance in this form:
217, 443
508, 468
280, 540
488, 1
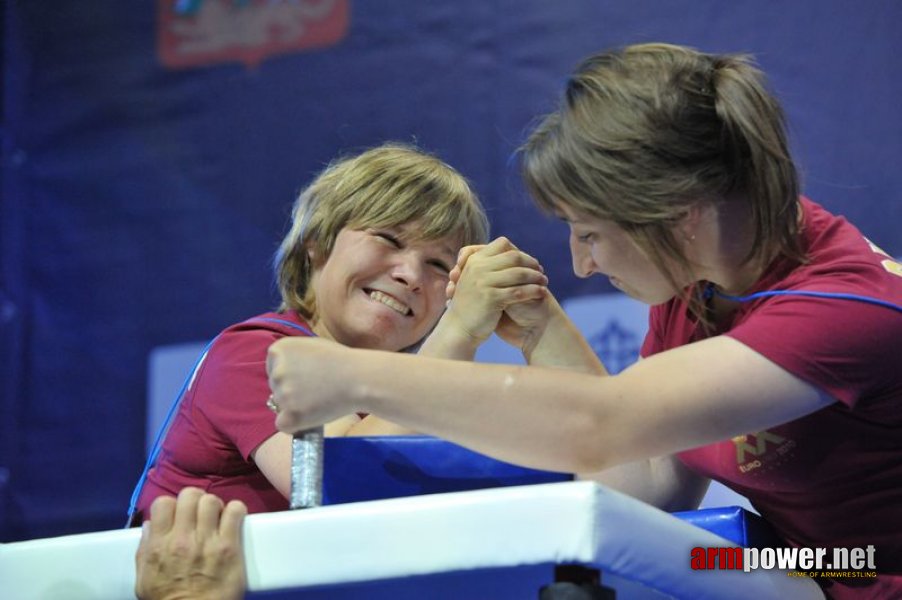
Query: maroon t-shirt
832, 478
223, 418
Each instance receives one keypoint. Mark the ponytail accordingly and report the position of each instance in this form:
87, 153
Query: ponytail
755, 151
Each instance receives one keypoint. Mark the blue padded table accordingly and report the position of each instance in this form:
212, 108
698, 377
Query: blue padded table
502, 537
377, 468
358, 469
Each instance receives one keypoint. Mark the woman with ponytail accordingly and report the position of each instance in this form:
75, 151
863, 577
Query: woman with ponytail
772, 358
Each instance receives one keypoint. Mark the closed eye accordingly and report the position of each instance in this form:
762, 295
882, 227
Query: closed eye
391, 239
585, 238
441, 266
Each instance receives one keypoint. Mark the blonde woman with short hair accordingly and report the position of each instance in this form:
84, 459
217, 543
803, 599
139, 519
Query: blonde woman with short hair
365, 263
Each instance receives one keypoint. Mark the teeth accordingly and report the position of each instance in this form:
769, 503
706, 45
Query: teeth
389, 302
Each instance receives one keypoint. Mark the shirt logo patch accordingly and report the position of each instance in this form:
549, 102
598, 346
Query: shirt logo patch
756, 450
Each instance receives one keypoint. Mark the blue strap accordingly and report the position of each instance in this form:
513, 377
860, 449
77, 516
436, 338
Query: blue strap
161, 434
710, 290
283, 322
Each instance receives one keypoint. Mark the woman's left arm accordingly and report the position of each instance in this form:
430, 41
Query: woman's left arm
273, 456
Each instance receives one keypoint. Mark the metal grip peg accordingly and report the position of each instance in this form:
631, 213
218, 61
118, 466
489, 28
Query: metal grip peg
307, 469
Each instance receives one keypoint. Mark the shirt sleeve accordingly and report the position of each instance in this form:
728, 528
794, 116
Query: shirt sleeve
845, 347
233, 387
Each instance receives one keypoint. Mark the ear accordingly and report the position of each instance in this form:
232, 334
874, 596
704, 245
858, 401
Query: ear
313, 257
687, 227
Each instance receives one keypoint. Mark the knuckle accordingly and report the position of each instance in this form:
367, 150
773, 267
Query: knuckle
190, 495
180, 548
211, 501
162, 503
227, 551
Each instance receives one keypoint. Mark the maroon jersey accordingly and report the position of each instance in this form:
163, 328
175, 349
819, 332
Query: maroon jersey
832, 478
223, 418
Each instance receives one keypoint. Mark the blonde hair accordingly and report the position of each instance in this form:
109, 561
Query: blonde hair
386, 186
645, 132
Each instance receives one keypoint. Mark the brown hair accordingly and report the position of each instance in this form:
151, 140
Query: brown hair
644, 132
386, 186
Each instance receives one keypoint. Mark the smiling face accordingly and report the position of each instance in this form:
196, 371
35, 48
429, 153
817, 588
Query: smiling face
599, 246
382, 288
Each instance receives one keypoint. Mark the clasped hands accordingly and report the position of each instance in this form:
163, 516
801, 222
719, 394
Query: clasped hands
496, 288
492, 288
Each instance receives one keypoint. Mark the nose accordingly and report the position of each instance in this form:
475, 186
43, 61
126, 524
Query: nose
409, 270
583, 264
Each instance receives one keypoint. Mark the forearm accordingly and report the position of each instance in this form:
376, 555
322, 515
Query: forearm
447, 341
559, 344
504, 411
373, 426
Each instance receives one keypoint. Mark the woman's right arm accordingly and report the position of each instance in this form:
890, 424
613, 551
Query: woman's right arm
549, 419
548, 338
554, 341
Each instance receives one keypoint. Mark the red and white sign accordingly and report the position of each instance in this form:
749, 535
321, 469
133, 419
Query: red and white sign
223, 31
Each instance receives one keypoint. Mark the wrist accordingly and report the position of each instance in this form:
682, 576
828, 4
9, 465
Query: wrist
375, 378
561, 345
543, 344
451, 339
531, 340
375, 391
362, 381
535, 338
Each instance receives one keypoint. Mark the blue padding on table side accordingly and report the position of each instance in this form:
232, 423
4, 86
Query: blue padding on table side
727, 522
358, 469
733, 523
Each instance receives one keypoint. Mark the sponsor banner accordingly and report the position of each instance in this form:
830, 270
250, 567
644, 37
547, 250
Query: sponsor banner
200, 33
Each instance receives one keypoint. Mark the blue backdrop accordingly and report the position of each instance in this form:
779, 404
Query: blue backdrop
151, 153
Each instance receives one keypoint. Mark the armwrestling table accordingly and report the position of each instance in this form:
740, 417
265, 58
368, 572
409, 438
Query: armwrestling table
467, 527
